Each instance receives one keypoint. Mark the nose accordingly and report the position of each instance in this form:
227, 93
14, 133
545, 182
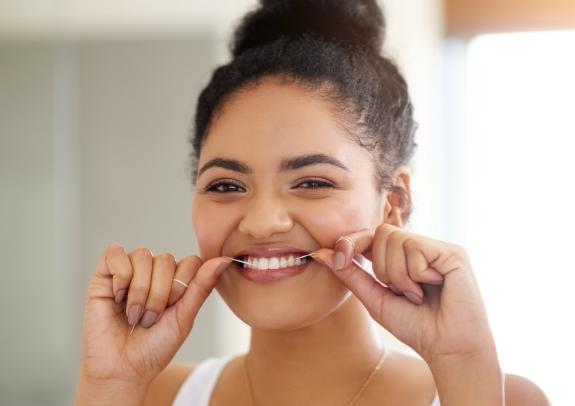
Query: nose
264, 217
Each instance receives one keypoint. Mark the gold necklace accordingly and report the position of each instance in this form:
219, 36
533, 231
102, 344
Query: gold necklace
353, 400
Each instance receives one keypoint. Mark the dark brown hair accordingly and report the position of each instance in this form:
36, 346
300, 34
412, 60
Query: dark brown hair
332, 47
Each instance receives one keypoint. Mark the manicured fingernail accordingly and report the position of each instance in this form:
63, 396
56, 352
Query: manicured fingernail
134, 314
120, 295
148, 319
394, 289
339, 260
413, 297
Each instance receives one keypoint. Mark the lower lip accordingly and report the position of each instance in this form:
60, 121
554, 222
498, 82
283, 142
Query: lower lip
275, 275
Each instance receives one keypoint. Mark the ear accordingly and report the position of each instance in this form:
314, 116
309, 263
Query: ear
398, 204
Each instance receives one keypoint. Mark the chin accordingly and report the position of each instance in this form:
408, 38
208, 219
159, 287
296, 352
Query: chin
286, 307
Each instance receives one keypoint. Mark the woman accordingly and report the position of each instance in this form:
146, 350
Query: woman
300, 160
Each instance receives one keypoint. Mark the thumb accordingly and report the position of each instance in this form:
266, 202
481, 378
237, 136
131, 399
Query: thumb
198, 290
374, 295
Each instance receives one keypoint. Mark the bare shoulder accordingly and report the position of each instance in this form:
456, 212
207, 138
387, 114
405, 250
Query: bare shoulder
406, 380
521, 391
164, 388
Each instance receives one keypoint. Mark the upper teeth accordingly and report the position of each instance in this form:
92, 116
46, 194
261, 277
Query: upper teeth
273, 263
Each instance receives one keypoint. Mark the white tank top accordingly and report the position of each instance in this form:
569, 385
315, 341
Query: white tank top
198, 387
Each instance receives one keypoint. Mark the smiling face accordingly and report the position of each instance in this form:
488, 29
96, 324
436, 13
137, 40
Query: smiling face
276, 169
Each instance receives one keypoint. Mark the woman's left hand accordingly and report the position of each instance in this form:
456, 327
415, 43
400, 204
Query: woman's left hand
450, 319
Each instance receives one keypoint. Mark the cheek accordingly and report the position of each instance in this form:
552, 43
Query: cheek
212, 223
331, 220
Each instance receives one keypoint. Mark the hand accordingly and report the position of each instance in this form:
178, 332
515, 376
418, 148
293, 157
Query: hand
137, 290
423, 291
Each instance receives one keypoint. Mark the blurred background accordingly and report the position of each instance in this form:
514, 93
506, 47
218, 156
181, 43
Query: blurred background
96, 103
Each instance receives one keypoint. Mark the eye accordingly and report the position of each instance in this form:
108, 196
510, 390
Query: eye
315, 184
225, 187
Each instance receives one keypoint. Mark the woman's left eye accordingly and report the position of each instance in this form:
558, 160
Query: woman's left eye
315, 184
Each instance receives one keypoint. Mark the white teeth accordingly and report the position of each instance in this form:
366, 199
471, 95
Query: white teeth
263, 263
274, 262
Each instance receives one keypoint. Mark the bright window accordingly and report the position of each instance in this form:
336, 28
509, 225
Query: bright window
518, 162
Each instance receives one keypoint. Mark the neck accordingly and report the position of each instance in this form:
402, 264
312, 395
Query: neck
335, 355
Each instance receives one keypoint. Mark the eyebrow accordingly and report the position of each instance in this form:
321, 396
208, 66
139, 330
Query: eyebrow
285, 165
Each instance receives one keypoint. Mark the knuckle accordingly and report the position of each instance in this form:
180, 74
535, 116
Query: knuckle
114, 248
141, 252
459, 250
191, 261
395, 236
459, 253
166, 258
380, 228
410, 243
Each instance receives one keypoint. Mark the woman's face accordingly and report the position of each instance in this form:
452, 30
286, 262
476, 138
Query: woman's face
258, 195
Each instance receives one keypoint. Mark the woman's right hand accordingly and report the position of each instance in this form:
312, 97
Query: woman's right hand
139, 289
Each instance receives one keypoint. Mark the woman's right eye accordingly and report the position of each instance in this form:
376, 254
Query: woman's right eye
225, 187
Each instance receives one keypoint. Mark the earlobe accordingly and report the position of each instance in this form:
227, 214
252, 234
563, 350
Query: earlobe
395, 217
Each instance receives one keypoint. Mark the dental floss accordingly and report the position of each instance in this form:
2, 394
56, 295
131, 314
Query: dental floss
356, 262
247, 263
132, 330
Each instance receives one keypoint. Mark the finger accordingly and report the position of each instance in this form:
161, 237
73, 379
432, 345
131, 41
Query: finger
200, 287
364, 286
417, 265
142, 261
396, 265
163, 269
120, 267
185, 271
379, 252
350, 245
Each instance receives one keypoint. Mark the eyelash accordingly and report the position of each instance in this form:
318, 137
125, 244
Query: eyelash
319, 184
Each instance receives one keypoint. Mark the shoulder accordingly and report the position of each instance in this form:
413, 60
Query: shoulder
165, 386
522, 391
406, 379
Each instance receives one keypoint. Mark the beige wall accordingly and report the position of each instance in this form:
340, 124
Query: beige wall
93, 127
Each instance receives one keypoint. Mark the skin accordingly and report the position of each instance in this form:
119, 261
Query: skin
299, 323
291, 318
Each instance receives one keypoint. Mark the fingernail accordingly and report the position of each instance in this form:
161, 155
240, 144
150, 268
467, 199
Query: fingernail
394, 289
435, 276
120, 295
413, 297
148, 319
134, 314
339, 260
222, 267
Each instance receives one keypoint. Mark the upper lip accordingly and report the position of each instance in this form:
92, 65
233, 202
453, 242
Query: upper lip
270, 251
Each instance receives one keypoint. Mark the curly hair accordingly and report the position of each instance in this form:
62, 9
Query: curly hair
334, 49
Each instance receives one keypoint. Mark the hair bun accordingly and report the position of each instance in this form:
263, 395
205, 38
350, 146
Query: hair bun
353, 22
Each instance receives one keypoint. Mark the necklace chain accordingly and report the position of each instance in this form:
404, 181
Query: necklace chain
353, 400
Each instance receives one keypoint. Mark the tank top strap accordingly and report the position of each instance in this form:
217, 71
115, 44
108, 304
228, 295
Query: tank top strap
198, 387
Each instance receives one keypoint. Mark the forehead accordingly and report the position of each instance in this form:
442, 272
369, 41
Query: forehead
277, 118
